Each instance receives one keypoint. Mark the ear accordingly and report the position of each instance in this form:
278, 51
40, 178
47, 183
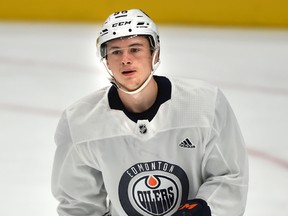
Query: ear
157, 53
107, 63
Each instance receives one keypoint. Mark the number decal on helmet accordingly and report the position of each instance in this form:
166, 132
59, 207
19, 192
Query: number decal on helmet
121, 12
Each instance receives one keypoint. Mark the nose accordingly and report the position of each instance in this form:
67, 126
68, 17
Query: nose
126, 58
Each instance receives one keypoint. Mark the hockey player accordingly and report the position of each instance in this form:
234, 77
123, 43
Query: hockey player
148, 145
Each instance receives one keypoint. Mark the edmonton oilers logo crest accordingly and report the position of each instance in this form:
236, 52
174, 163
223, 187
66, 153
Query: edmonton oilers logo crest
153, 188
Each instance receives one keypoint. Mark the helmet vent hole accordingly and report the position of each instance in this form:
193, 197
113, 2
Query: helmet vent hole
130, 30
114, 33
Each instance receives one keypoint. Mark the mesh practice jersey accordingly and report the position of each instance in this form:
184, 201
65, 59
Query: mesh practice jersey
109, 160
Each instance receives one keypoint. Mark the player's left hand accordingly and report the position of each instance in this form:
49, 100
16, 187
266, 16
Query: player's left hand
195, 207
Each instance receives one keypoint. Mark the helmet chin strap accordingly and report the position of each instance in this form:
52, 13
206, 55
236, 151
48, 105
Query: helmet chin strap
144, 84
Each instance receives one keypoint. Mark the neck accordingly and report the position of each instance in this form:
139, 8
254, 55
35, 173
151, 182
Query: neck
142, 101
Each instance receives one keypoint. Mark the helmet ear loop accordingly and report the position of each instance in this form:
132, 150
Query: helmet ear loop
155, 60
111, 78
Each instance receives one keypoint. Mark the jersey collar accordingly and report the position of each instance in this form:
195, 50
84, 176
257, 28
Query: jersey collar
164, 94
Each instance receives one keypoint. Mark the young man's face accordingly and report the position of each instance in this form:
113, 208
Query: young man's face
130, 61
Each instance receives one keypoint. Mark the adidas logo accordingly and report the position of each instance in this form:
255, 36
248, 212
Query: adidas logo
187, 144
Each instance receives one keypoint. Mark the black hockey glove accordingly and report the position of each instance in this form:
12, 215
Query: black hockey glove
195, 207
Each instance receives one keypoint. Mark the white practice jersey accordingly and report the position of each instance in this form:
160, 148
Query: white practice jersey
190, 148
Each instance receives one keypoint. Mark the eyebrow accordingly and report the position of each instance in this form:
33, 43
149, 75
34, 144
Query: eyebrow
131, 45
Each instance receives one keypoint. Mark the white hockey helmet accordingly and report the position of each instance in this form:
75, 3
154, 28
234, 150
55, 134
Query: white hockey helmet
127, 23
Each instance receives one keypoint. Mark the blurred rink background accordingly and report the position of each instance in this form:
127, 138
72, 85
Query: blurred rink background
48, 61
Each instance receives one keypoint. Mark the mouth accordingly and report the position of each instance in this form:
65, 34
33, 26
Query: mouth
128, 72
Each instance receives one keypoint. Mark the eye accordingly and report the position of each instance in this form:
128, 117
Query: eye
135, 49
116, 52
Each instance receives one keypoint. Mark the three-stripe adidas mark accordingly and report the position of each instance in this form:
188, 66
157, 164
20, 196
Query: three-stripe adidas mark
187, 144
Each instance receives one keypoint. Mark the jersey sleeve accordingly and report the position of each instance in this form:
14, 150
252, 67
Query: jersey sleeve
78, 187
225, 164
